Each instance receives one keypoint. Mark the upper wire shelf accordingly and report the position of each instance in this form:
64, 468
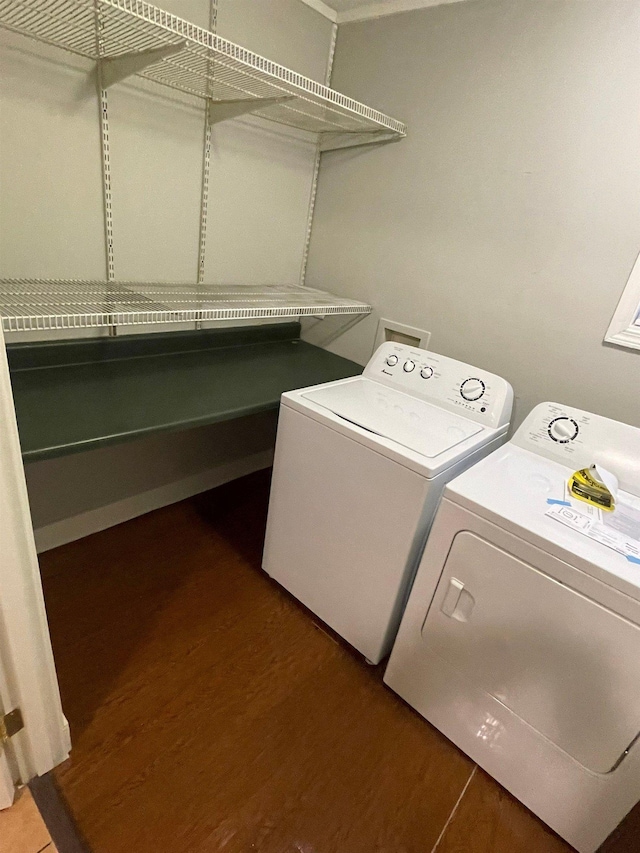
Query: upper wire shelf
130, 37
36, 305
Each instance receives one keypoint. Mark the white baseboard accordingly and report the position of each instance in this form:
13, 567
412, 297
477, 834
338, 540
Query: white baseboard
70, 529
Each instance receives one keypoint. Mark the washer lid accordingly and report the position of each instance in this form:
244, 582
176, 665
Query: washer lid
415, 424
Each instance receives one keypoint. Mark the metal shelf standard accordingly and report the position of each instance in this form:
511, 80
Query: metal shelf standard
138, 38
35, 305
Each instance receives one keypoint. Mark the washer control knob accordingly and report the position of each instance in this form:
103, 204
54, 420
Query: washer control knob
472, 389
409, 366
426, 372
563, 430
392, 360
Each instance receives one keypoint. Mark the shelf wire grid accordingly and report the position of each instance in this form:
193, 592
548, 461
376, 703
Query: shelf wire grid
208, 66
36, 305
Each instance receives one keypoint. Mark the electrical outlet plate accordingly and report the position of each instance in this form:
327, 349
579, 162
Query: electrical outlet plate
389, 330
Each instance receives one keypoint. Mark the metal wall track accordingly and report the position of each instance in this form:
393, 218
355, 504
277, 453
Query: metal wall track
206, 161
206, 156
131, 37
316, 166
103, 100
103, 106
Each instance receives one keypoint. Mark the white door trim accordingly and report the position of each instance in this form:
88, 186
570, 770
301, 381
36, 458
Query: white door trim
7, 788
27, 672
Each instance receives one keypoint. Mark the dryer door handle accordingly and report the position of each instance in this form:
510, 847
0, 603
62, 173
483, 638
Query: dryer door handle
458, 602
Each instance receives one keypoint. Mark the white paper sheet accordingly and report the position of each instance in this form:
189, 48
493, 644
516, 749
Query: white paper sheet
619, 529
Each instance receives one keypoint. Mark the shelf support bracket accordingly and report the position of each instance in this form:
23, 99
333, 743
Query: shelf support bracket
117, 68
223, 110
332, 141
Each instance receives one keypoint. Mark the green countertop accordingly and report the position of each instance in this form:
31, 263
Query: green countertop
76, 395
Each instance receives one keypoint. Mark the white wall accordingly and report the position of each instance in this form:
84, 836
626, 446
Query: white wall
509, 219
51, 224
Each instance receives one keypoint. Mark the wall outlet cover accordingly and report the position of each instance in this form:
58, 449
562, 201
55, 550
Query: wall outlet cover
389, 330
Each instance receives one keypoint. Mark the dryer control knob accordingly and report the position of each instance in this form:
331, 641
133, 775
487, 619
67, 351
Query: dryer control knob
563, 430
426, 372
392, 360
409, 366
472, 389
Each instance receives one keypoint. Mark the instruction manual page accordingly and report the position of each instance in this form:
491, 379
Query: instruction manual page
619, 529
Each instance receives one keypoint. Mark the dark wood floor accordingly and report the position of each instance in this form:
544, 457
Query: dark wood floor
210, 713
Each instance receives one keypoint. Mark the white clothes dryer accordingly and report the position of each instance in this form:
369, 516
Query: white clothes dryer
521, 637
359, 468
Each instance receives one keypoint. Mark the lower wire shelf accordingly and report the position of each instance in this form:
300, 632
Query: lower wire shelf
35, 305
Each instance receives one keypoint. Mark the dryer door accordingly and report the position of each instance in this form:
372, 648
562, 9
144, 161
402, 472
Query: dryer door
566, 665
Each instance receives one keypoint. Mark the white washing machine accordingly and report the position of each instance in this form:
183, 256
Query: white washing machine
521, 637
359, 468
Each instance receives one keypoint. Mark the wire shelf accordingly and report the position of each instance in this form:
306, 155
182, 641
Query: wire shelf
37, 305
133, 37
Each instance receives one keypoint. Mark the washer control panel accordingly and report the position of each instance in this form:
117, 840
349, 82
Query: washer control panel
456, 386
577, 439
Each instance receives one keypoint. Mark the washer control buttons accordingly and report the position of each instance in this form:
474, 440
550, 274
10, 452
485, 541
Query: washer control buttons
392, 360
472, 389
426, 372
409, 366
563, 430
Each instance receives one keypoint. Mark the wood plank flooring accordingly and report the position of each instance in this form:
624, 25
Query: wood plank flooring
209, 712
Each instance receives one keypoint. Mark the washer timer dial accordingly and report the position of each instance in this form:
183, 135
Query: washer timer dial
472, 389
563, 430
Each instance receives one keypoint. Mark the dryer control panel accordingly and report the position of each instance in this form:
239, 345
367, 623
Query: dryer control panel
578, 439
483, 397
